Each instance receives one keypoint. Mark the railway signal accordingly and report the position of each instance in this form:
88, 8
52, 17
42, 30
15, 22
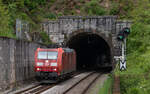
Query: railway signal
122, 35
126, 31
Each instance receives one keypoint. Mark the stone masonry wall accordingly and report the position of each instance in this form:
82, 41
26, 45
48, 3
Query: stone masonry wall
60, 30
16, 61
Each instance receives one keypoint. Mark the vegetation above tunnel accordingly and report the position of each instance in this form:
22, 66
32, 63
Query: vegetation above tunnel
33, 11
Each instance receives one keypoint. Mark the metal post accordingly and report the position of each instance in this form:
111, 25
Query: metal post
123, 58
18, 29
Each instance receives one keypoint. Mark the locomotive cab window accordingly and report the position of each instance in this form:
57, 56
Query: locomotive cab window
47, 55
52, 55
42, 55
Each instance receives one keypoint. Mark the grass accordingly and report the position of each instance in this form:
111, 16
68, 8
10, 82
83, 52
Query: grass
7, 34
107, 88
135, 80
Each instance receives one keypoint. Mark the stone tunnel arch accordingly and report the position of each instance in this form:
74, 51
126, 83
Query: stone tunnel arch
93, 51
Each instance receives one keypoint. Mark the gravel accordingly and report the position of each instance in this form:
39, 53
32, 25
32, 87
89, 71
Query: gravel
62, 87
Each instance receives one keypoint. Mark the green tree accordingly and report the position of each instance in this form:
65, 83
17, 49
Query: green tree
5, 29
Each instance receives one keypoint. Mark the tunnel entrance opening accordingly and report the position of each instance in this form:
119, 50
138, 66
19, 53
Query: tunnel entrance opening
92, 51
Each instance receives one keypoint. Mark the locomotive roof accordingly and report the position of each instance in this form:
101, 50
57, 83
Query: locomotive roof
68, 50
65, 49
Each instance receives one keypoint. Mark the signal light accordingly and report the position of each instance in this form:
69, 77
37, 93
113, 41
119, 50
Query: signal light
123, 34
120, 37
126, 31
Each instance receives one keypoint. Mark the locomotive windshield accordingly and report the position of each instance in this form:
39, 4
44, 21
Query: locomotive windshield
52, 55
47, 55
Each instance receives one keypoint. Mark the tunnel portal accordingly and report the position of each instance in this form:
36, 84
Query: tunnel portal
92, 51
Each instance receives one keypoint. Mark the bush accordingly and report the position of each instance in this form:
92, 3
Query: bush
45, 38
77, 7
114, 9
51, 16
93, 8
68, 12
60, 14
5, 24
134, 91
82, 1
129, 82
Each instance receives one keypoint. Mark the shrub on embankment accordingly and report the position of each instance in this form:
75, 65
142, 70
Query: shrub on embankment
5, 28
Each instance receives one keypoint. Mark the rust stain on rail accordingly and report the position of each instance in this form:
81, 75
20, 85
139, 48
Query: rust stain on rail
116, 86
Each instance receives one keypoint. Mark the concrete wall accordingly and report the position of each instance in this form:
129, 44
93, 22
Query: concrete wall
16, 61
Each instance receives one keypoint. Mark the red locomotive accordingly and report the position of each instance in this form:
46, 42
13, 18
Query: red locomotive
54, 64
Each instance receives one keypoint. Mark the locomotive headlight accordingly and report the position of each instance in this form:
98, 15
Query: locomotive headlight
38, 69
53, 64
39, 64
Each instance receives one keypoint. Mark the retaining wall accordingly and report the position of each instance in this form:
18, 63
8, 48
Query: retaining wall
16, 61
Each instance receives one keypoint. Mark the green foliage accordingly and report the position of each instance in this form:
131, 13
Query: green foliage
130, 84
66, 12
114, 8
45, 38
141, 14
122, 8
106, 88
135, 80
69, 12
60, 14
77, 7
50, 16
29, 10
5, 29
139, 37
82, 1
93, 8
134, 85
35, 11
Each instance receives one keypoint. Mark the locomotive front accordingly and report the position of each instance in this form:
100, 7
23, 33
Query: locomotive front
46, 64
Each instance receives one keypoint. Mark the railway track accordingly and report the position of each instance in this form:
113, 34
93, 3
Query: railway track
83, 85
78, 87
36, 89
39, 88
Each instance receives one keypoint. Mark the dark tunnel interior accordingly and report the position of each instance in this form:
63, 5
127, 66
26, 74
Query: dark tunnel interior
92, 51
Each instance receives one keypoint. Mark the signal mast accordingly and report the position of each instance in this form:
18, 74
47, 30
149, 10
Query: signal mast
122, 35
